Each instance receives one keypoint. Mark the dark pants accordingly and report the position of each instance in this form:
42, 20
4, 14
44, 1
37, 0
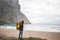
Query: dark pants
20, 34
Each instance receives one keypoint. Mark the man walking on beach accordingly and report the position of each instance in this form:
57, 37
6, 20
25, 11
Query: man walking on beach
21, 29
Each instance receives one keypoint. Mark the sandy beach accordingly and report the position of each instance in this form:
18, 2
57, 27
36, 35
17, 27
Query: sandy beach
4, 32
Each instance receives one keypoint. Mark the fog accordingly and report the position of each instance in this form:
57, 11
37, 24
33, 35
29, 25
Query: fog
41, 11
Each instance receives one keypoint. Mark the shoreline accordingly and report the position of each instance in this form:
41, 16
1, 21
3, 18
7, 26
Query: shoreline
45, 29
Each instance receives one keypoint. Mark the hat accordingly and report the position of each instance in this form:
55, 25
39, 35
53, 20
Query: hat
22, 21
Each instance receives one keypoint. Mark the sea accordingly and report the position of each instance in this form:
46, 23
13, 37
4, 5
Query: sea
35, 27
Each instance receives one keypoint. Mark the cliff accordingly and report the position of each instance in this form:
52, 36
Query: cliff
10, 12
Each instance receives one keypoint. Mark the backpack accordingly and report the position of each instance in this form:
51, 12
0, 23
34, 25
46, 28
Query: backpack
18, 26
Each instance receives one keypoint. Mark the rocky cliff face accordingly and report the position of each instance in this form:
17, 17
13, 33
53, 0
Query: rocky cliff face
10, 12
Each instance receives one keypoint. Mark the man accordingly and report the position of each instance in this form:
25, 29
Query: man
21, 29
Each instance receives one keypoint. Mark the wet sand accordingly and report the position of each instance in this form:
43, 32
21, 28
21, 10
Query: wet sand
4, 32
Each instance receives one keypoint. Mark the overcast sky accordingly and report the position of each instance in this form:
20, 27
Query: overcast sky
41, 11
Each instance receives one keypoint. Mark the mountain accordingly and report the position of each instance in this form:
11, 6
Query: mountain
10, 12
